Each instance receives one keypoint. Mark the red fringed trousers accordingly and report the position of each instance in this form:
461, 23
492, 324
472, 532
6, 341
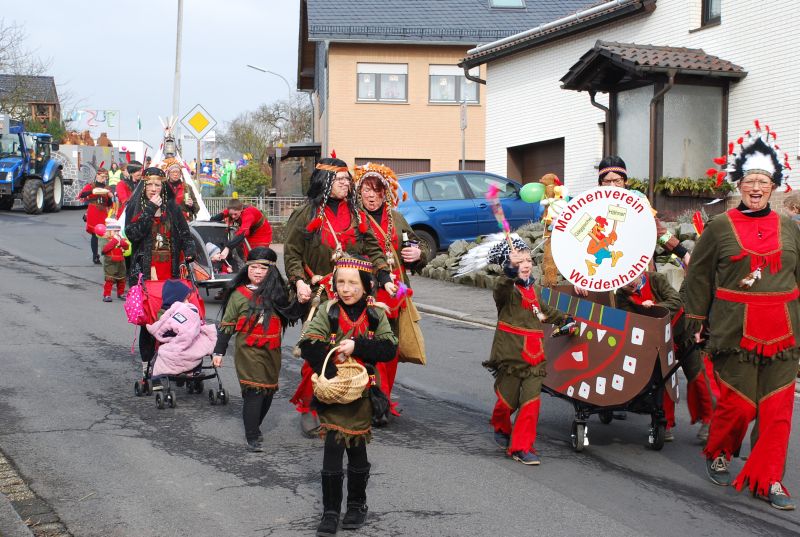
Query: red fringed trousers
750, 390
520, 395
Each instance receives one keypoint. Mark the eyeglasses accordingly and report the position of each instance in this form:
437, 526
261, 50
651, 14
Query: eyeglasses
751, 183
613, 182
341, 180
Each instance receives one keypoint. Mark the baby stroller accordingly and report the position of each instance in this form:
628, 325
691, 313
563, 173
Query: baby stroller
193, 378
616, 361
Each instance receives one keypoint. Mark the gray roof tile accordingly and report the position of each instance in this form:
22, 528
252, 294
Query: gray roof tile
39, 89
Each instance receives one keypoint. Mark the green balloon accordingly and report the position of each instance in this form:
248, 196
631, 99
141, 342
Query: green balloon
532, 192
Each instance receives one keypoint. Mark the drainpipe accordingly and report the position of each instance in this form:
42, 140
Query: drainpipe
474, 78
654, 102
607, 126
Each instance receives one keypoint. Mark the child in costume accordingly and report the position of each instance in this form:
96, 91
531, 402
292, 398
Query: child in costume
355, 327
257, 307
653, 289
99, 201
113, 246
517, 358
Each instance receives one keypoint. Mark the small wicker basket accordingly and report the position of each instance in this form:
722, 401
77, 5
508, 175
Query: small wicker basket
347, 386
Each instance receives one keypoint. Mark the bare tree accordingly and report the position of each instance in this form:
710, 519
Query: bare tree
16, 59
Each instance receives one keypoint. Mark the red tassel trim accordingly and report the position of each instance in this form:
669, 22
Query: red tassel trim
767, 349
314, 225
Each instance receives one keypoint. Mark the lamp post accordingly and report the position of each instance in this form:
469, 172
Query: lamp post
289, 88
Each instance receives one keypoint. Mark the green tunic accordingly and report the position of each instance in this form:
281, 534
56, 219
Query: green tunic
257, 367
352, 421
712, 268
507, 348
304, 248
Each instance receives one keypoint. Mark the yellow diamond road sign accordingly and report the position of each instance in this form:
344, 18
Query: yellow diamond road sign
198, 122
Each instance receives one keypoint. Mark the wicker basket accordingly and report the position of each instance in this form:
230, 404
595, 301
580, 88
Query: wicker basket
347, 386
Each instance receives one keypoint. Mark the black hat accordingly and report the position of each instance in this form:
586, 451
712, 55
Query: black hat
173, 291
134, 166
152, 171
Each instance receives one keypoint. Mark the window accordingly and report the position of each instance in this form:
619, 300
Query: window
442, 187
382, 82
712, 11
507, 3
479, 184
449, 85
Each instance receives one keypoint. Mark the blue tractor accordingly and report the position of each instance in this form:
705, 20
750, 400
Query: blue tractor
27, 171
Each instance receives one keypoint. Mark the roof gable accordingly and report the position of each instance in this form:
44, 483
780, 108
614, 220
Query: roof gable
35, 89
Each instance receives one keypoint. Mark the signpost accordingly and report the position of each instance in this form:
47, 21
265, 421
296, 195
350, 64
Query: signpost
199, 123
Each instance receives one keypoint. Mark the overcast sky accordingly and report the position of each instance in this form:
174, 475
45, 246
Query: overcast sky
120, 55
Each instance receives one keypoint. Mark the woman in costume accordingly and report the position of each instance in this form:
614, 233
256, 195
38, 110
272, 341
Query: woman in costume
99, 200
741, 299
160, 240
318, 233
352, 324
377, 189
256, 306
181, 192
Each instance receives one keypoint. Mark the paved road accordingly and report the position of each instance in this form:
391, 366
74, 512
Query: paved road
110, 464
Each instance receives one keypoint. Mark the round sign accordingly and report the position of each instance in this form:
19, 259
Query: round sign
604, 238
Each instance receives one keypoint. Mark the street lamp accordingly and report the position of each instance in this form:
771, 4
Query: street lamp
289, 88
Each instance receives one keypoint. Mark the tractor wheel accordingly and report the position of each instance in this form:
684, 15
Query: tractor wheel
6, 203
33, 196
54, 194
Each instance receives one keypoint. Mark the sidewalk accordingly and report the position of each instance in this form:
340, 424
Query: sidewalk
455, 301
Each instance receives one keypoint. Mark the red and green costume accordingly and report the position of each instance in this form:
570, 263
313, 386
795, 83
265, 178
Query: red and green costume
752, 334
114, 264
517, 360
97, 205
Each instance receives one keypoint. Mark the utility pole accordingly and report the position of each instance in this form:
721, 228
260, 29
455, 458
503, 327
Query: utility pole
176, 85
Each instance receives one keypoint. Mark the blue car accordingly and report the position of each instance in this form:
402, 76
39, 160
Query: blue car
444, 207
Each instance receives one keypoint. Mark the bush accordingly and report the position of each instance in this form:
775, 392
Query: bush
252, 181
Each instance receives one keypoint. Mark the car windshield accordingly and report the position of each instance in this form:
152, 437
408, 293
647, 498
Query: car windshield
9, 145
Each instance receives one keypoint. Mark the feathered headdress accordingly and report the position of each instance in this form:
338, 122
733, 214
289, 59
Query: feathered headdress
493, 250
757, 152
385, 175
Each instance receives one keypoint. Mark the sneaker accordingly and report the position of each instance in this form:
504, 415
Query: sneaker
255, 446
778, 498
526, 457
502, 440
668, 436
702, 434
123, 296
717, 470
106, 299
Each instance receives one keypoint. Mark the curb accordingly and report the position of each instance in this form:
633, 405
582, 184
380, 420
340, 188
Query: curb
453, 314
11, 525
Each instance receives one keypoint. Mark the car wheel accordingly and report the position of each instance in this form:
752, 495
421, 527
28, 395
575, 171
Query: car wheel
427, 243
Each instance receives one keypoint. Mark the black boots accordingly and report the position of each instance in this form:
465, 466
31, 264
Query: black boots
356, 513
331, 503
254, 408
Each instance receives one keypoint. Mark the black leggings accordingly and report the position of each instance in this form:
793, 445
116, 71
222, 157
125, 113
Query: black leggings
334, 454
255, 406
93, 242
147, 345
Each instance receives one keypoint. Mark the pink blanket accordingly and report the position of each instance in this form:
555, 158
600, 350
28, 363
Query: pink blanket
184, 351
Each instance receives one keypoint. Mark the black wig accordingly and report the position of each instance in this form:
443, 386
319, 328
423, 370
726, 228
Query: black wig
611, 161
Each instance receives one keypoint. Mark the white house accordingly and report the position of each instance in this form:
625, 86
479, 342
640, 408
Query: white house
709, 68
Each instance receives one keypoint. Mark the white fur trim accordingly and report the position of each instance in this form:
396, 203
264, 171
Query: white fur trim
759, 161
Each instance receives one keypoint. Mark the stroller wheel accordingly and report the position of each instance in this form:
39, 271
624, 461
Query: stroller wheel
223, 396
657, 435
148, 389
137, 389
578, 436
198, 386
606, 416
159, 401
170, 399
190, 387
212, 397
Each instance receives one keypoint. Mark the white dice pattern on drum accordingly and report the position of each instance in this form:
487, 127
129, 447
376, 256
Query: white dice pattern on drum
637, 336
629, 365
667, 333
600, 385
617, 382
585, 390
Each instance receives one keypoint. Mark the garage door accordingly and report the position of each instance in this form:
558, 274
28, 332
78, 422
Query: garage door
528, 163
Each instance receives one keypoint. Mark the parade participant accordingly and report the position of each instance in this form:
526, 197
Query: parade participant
317, 233
114, 176
356, 328
517, 358
113, 247
653, 289
183, 194
741, 298
377, 189
257, 307
791, 204
99, 201
613, 172
253, 228
160, 241
127, 184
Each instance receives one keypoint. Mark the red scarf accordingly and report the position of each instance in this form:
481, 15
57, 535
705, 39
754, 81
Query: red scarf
759, 239
342, 223
257, 335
